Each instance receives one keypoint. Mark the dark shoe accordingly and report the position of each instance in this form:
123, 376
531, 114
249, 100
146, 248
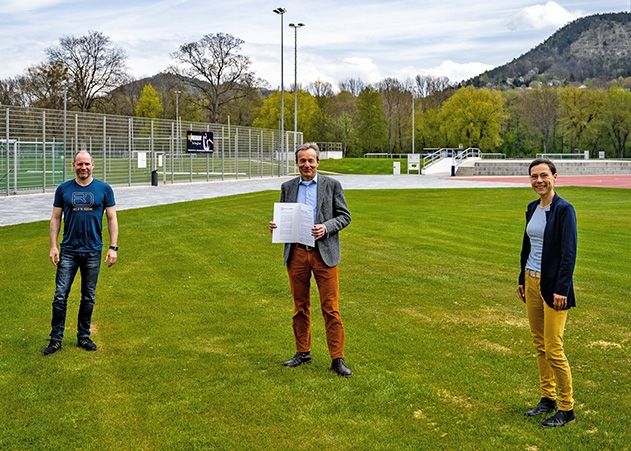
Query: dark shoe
561, 418
298, 359
53, 346
87, 344
340, 368
546, 405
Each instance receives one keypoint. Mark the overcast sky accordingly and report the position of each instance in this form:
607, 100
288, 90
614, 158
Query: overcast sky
367, 39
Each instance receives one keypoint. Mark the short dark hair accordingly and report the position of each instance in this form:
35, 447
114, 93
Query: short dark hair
306, 146
538, 161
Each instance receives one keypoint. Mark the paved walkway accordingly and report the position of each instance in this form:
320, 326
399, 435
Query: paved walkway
37, 207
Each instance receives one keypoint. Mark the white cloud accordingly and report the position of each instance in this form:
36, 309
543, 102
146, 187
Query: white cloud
328, 68
368, 39
456, 72
359, 67
548, 15
18, 6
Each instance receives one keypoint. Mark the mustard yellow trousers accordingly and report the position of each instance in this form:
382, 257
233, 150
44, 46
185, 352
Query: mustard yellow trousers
547, 326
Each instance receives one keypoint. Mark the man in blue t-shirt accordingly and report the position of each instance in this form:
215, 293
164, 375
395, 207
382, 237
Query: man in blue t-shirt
81, 201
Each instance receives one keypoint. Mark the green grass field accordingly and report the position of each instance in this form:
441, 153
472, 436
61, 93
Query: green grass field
193, 322
31, 170
362, 165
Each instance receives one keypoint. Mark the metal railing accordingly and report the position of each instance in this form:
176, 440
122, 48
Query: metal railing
37, 146
387, 155
433, 157
564, 156
461, 155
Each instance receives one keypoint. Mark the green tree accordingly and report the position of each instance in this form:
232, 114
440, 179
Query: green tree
518, 139
540, 110
473, 117
149, 103
268, 115
344, 109
397, 102
345, 132
616, 118
322, 91
428, 133
242, 110
579, 111
372, 128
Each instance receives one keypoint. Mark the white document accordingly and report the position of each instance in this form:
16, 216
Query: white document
142, 160
293, 223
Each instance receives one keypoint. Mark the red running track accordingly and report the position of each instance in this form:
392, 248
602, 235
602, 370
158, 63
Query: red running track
602, 181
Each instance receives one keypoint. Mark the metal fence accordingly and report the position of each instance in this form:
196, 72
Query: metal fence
37, 145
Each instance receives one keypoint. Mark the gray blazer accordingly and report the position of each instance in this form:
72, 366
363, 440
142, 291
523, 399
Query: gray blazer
332, 211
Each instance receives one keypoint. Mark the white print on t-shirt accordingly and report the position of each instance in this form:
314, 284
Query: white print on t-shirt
82, 201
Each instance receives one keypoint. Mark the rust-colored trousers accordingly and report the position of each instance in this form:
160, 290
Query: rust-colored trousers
302, 263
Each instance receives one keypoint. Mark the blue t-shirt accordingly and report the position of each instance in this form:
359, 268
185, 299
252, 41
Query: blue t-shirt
83, 208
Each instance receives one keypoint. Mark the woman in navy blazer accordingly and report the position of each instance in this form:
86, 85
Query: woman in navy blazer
548, 256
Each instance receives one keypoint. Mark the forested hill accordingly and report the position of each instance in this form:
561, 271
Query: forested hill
596, 48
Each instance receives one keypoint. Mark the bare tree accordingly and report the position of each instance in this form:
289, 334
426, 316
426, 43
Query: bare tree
320, 89
214, 67
541, 112
123, 99
352, 85
44, 85
12, 92
426, 85
397, 101
94, 66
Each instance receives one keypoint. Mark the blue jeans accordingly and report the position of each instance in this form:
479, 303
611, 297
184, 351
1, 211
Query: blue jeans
89, 264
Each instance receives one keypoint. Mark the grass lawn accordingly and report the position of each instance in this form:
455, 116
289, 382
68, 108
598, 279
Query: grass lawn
363, 165
193, 322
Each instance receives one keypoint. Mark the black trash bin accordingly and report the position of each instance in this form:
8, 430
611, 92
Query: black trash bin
453, 170
154, 178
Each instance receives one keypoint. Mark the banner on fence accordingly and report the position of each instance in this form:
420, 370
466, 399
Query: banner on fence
199, 142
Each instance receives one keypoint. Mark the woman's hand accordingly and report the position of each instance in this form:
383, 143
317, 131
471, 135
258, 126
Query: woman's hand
559, 302
521, 293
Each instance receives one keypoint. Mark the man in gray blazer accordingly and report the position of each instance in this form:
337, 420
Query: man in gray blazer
330, 216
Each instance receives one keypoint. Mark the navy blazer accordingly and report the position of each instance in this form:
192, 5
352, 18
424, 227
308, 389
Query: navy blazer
332, 211
559, 251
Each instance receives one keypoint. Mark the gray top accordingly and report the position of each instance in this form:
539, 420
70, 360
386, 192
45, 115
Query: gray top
535, 229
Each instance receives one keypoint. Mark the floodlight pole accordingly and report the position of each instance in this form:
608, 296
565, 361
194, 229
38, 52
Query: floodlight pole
413, 120
280, 12
295, 26
63, 172
177, 122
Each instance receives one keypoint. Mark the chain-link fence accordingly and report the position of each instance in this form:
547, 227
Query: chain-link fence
37, 146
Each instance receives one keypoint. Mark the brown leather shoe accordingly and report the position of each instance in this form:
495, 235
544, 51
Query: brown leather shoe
298, 359
339, 366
